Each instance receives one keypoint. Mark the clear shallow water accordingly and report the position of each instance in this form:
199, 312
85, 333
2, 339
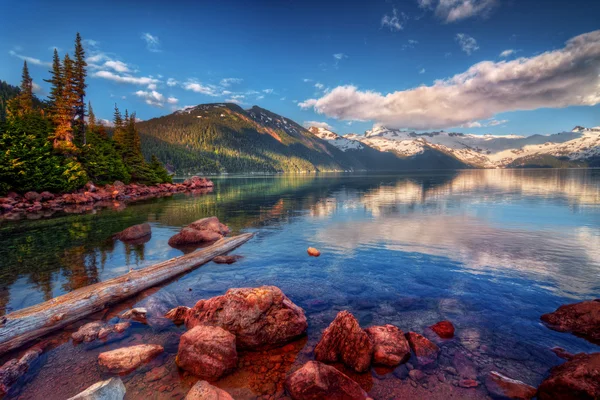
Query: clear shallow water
489, 250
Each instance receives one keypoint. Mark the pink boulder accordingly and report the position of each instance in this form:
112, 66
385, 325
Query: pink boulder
127, 359
345, 341
178, 314
203, 390
581, 319
32, 196
443, 329
210, 224
134, 232
578, 378
316, 381
258, 317
207, 351
189, 236
391, 347
425, 350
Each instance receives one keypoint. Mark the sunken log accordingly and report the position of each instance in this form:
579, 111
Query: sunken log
30, 323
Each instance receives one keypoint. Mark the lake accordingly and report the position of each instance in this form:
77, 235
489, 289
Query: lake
490, 250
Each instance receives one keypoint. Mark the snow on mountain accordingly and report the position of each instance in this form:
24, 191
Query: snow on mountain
489, 151
342, 143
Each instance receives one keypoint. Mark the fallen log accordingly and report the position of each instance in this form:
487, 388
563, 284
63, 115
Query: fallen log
33, 322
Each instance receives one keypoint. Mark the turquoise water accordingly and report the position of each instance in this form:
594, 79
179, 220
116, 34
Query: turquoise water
489, 250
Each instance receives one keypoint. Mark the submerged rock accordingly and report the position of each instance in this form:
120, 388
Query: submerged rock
226, 259
178, 314
134, 232
207, 351
581, 319
344, 340
203, 390
127, 359
425, 350
313, 252
138, 314
315, 381
258, 317
390, 346
578, 378
98, 330
111, 389
507, 388
443, 329
15, 368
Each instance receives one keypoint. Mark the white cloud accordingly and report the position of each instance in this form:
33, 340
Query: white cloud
118, 66
152, 97
171, 82
282, 99
456, 10
134, 80
268, 91
422, 71
318, 124
554, 79
394, 22
479, 124
152, 42
339, 56
307, 80
152, 86
410, 44
172, 100
319, 85
495, 122
474, 124
200, 88
507, 53
37, 89
30, 60
260, 97
467, 43
230, 81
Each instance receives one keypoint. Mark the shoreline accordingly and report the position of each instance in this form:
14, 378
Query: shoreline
34, 205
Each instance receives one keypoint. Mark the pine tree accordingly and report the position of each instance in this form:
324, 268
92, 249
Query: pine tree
56, 85
91, 118
65, 108
79, 74
23, 103
118, 123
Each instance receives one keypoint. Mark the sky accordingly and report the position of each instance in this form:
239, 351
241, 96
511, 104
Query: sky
475, 66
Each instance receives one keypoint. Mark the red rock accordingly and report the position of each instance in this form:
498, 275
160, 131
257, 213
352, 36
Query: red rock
203, 390
189, 236
32, 196
178, 314
88, 332
207, 351
13, 369
90, 187
345, 341
45, 196
391, 347
226, 259
504, 387
562, 353
118, 184
258, 317
582, 319
443, 329
134, 232
578, 378
138, 314
210, 224
126, 359
316, 381
468, 383
426, 351
313, 252
6, 207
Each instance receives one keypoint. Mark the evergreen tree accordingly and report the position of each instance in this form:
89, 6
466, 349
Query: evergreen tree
65, 107
23, 103
91, 118
79, 86
159, 170
118, 134
56, 85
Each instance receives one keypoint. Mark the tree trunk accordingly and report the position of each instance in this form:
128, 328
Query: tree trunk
30, 323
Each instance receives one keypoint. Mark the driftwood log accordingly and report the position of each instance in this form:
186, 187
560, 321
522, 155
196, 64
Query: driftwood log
30, 323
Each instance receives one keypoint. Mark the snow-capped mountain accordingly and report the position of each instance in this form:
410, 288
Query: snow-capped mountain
488, 151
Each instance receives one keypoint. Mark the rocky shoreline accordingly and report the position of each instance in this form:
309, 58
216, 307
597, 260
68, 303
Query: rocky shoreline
34, 205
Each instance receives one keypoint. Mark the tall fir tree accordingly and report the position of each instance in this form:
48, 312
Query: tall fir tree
56, 85
23, 103
65, 108
91, 118
79, 86
118, 133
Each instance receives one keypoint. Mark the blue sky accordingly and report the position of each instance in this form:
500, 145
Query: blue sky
154, 57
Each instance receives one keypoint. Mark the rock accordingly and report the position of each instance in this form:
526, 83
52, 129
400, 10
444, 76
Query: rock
88, 332
127, 359
443, 329
203, 390
345, 341
315, 381
90, 187
207, 351
468, 383
582, 319
45, 196
118, 184
562, 353
226, 259
32, 196
211, 224
578, 378
178, 314
465, 367
134, 232
258, 317
416, 375
313, 252
112, 389
138, 314
189, 236
13, 369
504, 387
390, 346
426, 351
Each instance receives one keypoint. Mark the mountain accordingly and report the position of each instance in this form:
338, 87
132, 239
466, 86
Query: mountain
580, 147
223, 137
